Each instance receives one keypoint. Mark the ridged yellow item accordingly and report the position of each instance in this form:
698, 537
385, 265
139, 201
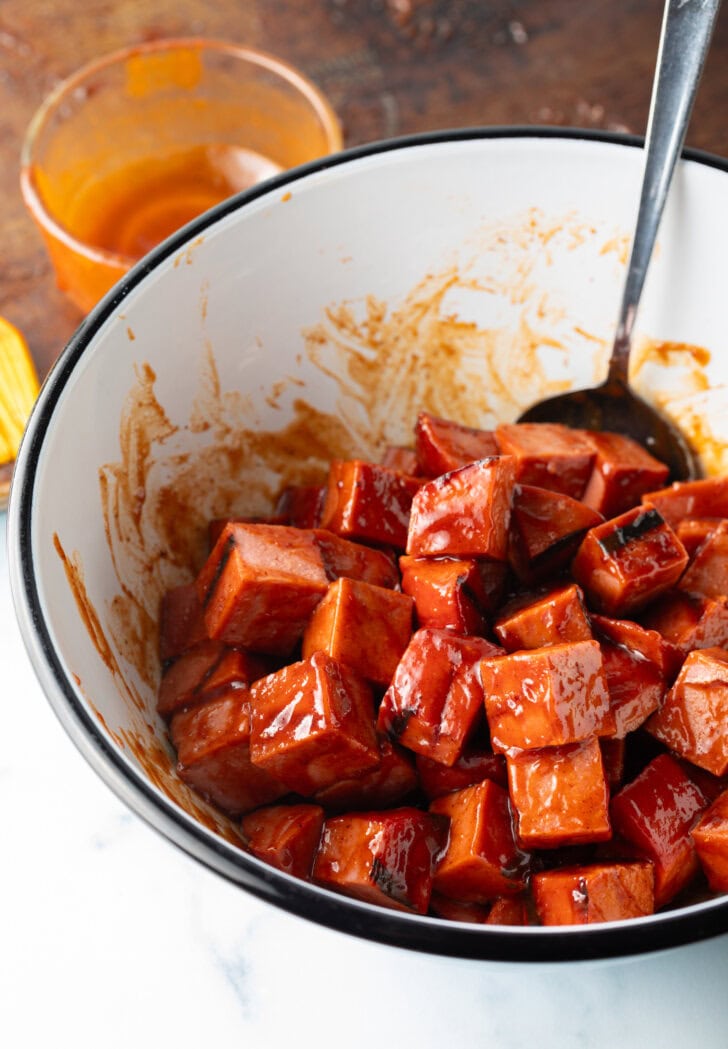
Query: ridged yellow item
18, 389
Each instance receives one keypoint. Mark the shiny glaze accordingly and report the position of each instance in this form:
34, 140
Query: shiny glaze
628, 561
560, 795
464, 513
546, 696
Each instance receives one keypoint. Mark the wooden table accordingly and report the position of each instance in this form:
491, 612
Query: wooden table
390, 67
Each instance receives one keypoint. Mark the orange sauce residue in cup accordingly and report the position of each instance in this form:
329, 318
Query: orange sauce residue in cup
134, 208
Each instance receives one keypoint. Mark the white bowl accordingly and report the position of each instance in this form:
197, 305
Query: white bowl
469, 273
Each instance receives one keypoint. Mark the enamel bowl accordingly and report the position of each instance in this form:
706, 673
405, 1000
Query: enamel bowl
469, 273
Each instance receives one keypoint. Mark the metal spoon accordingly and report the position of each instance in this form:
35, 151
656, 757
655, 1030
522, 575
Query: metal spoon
687, 27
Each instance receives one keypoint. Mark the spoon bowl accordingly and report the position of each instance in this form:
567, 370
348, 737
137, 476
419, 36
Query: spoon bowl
614, 406
687, 27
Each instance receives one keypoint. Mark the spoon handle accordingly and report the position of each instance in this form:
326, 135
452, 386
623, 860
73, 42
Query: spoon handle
687, 27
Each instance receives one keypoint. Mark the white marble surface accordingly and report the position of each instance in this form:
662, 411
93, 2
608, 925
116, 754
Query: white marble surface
110, 937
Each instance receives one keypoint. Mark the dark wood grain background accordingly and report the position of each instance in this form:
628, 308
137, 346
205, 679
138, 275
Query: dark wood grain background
389, 67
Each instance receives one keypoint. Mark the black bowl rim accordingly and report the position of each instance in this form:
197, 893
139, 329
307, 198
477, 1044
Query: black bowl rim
489, 943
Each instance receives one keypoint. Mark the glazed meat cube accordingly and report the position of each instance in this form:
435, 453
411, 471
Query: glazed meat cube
707, 574
452, 593
623, 471
548, 455
458, 910
710, 835
656, 812
300, 505
285, 836
464, 513
213, 749
556, 618
435, 698
706, 498
546, 696
471, 767
482, 860
181, 622
560, 795
403, 460
207, 668
693, 531
613, 759
367, 627
368, 502
693, 720
508, 910
260, 584
645, 643
386, 858
689, 622
504, 910
443, 445
313, 724
389, 783
626, 562
636, 687
546, 529
602, 892
341, 557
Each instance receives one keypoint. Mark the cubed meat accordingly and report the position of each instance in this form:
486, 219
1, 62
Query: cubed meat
435, 699
504, 910
458, 910
181, 622
707, 574
259, 586
388, 783
386, 858
401, 459
546, 696
656, 813
342, 557
482, 860
212, 742
693, 719
301, 505
688, 622
548, 455
641, 641
366, 627
614, 760
599, 892
636, 687
626, 562
560, 795
465, 513
452, 593
623, 471
313, 724
285, 836
710, 835
473, 766
443, 445
555, 618
508, 910
545, 532
704, 498
693, 531
203, 670
368, 502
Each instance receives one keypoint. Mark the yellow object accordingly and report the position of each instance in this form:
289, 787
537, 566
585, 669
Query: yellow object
18, 388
